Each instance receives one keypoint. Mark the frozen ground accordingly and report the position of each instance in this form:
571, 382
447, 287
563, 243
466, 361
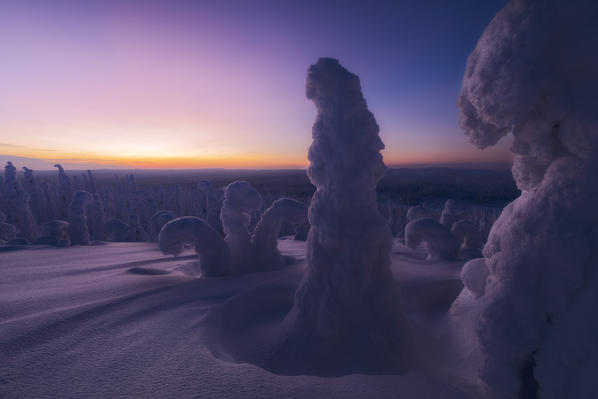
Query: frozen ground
123, 320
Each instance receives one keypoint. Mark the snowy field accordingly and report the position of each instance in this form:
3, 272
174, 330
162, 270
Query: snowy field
123, 320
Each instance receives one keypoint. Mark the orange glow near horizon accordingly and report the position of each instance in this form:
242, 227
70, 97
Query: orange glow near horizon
152, 159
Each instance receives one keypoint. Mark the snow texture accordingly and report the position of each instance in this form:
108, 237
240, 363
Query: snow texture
240, 198
214, 254
533, 73
437, 239
86, 322
346, 311
79, 233
265, 236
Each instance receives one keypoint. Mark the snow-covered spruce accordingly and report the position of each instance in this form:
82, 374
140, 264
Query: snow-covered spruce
418, 212
265, 236
346, 315
533, 73
56, 233
436, 238
212, 205
15, 203
79, 232
240, 198
214, 254
65, 193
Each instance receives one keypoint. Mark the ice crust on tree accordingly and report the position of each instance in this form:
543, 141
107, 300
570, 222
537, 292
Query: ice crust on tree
437, 239
265, 236
214, 254
79, 233
346, 308
533, 73
240, 199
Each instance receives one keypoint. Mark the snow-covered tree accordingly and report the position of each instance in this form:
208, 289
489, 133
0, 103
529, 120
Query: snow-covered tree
347, 307
533, 73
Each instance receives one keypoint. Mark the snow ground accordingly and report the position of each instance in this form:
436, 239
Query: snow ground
123, 320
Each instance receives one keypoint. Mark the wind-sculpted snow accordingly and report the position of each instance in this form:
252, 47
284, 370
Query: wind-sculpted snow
265, 235
533, 73
437, 239
79, 233
214, 254
240, 198
346, 314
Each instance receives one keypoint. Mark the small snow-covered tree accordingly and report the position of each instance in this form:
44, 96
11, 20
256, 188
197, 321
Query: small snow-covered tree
64, 192
214, 254
240, 198
265, 236
79, 233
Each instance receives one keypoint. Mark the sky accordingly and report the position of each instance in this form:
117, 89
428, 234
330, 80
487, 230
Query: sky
195, 84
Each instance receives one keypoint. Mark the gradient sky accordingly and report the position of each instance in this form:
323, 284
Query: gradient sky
183, 84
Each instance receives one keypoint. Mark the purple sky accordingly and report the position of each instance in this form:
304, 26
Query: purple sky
221, 83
